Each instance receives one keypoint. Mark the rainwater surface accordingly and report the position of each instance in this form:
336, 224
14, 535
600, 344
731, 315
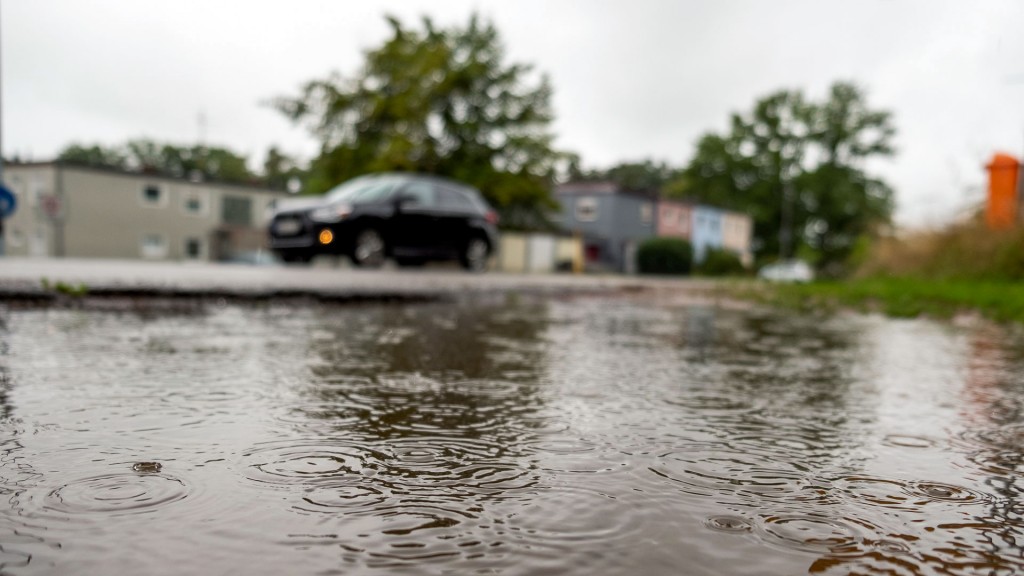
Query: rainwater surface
508, 436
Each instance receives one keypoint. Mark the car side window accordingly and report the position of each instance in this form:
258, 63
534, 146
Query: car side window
374, 192
451, 199
421, 194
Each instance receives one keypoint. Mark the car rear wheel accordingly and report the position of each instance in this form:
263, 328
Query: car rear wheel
368, 249
474, 254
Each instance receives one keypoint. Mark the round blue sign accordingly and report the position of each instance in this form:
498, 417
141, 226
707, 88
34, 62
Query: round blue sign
8, 203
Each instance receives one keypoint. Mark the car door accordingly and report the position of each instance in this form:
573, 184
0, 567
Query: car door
415, 227
455, 212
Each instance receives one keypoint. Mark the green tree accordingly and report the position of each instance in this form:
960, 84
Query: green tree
717, 175
752, 166
279, 169
645, 175
205, 162
796, 167
841, 201
439, 101
143, 155
215, 163
95, 156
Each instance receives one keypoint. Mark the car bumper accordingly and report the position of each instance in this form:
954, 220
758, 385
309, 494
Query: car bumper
289, 243
308, 238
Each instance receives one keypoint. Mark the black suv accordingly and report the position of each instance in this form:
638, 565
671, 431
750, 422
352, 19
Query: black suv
409, 217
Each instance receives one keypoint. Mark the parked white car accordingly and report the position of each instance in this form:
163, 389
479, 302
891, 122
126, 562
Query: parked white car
787, 271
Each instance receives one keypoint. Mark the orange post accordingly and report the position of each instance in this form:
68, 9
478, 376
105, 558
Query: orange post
1001, 211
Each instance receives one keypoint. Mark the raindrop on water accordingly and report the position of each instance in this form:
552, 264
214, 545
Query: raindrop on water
147, 466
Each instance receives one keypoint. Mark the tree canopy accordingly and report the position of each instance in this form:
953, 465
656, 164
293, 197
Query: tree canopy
194, 161
441, 101
645, 175
798, 168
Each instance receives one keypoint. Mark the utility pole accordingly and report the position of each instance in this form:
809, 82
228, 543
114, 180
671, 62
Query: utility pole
785, 208
786, 225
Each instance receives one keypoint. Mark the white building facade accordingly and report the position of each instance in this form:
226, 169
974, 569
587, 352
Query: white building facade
79, 212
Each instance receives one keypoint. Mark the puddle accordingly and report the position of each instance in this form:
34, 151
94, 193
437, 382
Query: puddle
570, 436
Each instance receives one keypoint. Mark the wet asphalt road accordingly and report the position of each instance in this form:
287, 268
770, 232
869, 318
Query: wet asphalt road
23, 277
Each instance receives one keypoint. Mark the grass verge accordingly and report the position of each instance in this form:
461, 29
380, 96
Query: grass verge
899, 297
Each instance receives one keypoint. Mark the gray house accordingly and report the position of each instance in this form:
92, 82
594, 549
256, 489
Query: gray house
611, 220
72, 211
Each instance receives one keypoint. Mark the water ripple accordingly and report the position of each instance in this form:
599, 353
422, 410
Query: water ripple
865, 490
341, 498
926, 491
906, 441
807, 532
291, 462
122, 493
721, 472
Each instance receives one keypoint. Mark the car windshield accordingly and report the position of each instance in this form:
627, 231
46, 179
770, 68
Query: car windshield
362, 190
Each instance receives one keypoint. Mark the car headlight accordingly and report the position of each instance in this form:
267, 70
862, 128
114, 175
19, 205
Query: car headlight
331, 213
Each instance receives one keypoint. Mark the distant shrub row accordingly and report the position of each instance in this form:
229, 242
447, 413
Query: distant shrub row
719, 262
664, 256
674, 256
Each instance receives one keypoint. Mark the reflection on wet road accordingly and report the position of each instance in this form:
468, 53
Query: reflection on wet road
585, 436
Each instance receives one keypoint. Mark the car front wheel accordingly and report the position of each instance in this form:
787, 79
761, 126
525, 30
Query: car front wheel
474, 254
368, 249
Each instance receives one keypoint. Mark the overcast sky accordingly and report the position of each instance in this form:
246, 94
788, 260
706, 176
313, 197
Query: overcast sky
633, 78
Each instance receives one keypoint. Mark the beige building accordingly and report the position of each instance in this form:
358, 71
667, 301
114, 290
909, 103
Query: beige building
737, 232
79, 212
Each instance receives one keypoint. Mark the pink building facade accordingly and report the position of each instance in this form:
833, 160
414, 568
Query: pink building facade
675, 219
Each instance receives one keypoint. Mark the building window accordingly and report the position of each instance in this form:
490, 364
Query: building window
194, 203
154, 246
236, 210
153, 195
193, 248
646, 213
36, 191
586, 209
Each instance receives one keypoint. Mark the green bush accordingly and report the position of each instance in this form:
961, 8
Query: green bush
720, 262
664, 256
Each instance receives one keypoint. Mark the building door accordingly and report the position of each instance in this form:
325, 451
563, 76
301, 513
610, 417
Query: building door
38, 247
629, 257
